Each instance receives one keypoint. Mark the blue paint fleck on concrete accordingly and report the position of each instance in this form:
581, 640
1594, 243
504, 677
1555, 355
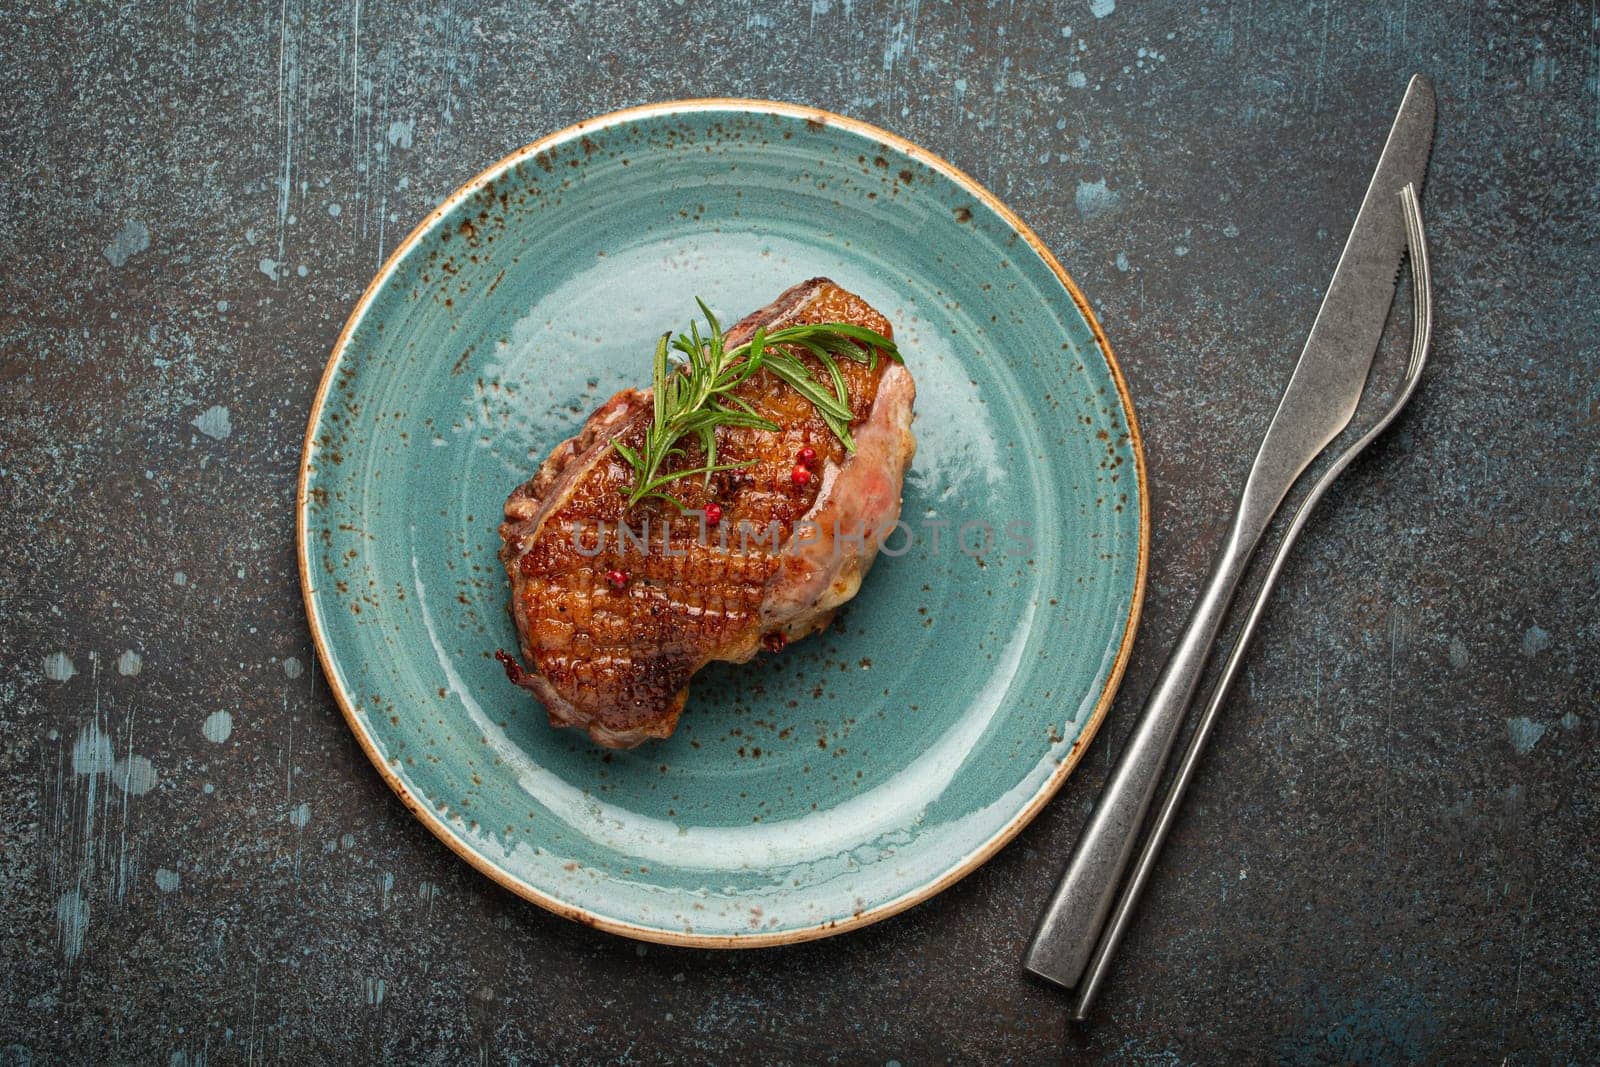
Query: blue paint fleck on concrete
214, 422
1094, 200
218, 727
58, 667
131, 238
1525, 733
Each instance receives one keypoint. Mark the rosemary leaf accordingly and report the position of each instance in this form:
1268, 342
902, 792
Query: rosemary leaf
696, 399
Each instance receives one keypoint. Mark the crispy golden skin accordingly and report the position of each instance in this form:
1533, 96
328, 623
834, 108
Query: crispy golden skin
617, 661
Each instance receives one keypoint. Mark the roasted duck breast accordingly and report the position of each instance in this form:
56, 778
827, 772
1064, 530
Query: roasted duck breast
619, 599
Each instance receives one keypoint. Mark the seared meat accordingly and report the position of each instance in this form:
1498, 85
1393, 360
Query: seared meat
611, 632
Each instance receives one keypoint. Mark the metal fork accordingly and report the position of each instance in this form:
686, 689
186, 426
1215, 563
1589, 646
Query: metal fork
1421, 335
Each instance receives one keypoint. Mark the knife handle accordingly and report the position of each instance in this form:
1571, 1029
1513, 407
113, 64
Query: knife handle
1066, 935
1071, 925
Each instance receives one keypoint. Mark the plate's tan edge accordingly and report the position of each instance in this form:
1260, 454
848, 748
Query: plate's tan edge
670, 937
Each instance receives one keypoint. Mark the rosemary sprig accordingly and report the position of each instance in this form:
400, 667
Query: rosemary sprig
694, 393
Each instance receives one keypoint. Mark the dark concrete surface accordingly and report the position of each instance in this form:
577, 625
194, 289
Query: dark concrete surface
1391, 853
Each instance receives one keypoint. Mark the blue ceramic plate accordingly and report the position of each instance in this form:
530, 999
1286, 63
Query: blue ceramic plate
859, 771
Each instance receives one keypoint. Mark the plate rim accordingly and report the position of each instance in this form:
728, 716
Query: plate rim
974, 858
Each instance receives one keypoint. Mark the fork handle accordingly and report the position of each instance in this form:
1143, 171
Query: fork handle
1071, 925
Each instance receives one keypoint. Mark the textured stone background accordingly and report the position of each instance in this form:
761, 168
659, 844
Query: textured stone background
1391, 853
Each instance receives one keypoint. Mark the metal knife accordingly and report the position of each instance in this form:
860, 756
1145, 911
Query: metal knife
1321, 396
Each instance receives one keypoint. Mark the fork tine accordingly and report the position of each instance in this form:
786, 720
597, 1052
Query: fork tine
1421, 281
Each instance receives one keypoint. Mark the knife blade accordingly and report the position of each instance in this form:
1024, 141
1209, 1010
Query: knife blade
1317, 404
1327, 382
